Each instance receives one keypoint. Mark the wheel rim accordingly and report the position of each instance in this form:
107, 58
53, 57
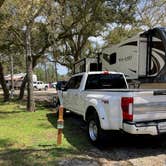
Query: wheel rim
93, 130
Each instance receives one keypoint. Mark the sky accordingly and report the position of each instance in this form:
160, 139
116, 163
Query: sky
62, 70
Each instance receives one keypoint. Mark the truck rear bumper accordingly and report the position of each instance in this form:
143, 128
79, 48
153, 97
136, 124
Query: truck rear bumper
134, 129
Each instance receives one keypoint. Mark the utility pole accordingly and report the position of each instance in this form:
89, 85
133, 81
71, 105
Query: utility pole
45, 70
55, 68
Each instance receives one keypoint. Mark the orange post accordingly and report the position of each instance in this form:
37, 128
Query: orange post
60, 125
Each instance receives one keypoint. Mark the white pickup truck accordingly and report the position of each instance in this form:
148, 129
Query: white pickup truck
40, 85
106, 103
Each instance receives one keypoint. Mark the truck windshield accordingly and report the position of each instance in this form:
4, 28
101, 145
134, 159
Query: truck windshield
106, 81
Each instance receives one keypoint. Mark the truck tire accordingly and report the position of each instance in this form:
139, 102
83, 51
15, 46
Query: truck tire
46, 88
56, 102
95, 133
35, 88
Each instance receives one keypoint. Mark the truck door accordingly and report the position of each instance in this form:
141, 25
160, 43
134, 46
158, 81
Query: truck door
71, 95
40, 85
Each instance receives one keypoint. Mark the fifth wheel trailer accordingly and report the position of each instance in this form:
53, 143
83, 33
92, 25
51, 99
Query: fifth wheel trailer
142, 57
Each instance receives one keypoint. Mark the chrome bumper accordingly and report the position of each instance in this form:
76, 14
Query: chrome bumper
134, 129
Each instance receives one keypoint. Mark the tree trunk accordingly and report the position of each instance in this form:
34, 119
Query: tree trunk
3, 84
12, 80
22, 88
23, 85
45, 70
30, 95
1, 2
56, 72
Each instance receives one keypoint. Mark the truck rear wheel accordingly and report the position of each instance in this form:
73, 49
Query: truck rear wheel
95, 133
35, 88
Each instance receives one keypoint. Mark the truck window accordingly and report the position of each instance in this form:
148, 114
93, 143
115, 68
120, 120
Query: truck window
106, 81
74, 82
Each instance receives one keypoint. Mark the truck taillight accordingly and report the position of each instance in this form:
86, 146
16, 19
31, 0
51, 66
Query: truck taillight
105, 72
127, 108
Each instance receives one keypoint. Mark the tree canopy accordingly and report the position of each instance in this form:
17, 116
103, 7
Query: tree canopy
31, 30
71, 24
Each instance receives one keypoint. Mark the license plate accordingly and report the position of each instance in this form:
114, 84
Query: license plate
162, 126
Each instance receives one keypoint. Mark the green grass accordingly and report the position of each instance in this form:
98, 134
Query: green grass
29, 138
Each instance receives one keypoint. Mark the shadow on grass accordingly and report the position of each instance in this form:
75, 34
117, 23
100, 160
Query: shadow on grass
30, 157
11, 112
119, 147
5, 143
73, 130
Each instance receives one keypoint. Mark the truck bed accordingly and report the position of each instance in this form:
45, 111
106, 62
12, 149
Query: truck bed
149, 107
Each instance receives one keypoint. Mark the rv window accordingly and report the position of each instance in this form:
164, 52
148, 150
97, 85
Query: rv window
112, 58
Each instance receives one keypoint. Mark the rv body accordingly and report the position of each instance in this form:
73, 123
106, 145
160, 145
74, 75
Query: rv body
17, 79
141, 57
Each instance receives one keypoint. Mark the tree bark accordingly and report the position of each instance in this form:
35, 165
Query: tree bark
30, 95
12, 80
22, 88
1, 2
23, 85
3, 84
56, 72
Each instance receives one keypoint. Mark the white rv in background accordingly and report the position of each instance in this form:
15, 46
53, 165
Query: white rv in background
142, 57
17, 78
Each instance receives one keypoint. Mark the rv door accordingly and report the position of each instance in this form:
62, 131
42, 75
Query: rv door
152, 54
142, 55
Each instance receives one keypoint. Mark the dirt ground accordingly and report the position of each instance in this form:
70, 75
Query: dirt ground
123, 150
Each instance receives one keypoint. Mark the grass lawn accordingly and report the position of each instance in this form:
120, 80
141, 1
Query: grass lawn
29, 138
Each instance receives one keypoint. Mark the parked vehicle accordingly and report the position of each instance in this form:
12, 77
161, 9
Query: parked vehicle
17, 80
53, 85
60, 85
40, 85
141, 58
106, 104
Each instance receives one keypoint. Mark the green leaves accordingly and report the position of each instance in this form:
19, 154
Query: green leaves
73, 22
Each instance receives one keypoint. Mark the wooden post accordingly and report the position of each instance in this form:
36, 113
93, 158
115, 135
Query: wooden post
60, 125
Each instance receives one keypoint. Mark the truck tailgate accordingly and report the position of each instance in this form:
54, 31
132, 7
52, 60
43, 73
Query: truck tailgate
149, 106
